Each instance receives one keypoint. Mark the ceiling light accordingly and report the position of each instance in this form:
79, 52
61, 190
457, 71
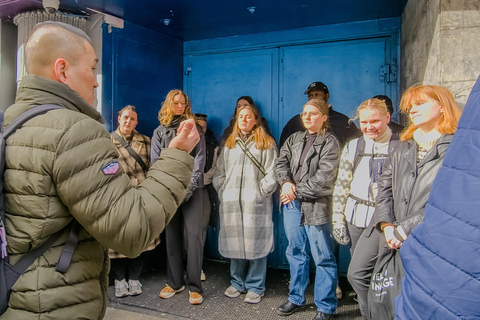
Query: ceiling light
166, 21
252, 9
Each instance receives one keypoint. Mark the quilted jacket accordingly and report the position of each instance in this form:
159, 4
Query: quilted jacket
54, 174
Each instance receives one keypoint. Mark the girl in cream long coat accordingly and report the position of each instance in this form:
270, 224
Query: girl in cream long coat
245, 193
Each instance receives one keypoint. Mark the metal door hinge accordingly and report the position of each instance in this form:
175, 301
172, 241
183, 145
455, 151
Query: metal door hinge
388, 73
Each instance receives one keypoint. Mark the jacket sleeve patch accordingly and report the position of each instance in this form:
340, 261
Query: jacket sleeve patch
110, 168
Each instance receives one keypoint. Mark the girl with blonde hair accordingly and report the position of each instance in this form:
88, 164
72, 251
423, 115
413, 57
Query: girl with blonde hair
187, 223
355, 192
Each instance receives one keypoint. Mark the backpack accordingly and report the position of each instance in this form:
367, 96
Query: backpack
10, 273
360, 150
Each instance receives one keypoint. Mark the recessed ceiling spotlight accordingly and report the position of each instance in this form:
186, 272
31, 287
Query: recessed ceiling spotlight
252, 9
166, 21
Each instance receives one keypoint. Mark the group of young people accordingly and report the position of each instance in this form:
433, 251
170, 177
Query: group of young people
370, 195
72, 171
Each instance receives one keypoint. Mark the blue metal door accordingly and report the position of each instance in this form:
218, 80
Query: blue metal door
350, 70
214, 82
276, 80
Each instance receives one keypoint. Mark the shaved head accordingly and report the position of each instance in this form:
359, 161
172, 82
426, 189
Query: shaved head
51, 40
63, 53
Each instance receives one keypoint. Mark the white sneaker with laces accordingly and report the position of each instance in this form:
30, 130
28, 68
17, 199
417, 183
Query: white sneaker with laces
121, 288
253, 297
134, 287
232, 292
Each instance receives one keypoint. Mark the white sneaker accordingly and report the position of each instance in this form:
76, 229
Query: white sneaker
169, 292
232, 292
121, 288
134, 287
195, 298
253, 297
203, 277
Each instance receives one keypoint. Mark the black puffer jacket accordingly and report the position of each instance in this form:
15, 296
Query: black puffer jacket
404, 186
319, 172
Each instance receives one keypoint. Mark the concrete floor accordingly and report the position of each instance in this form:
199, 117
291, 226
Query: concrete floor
148, 306
118, 314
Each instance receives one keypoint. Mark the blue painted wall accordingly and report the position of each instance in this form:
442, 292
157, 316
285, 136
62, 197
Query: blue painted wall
275, 68
139, 67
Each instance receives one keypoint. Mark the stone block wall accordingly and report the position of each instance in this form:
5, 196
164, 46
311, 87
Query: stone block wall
440, 40
8, 35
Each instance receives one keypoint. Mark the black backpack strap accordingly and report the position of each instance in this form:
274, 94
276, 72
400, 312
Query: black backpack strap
69, 248
11, 128
362, 201
14, 272
130, 150
360, 150
359, 153
24, 117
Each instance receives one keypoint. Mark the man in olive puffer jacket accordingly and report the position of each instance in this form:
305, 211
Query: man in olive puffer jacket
62, 166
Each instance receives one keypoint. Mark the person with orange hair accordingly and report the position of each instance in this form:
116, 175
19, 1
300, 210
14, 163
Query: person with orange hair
441, 255
409, 172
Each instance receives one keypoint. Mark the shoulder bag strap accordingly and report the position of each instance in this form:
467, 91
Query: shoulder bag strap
250, 155
130, 150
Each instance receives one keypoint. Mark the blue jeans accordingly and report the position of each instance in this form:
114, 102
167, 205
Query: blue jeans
249, 274
319, 241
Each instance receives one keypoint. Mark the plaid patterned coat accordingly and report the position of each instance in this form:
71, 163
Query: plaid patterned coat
246, 226
141, 145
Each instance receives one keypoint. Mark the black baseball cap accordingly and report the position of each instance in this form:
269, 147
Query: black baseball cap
387, 101
200, 116
317, 86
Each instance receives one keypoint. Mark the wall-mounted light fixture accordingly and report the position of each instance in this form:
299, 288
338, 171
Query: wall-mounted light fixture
168, 21
252, 9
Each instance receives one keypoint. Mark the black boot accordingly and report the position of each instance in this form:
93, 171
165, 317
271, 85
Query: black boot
288, 308
323, 316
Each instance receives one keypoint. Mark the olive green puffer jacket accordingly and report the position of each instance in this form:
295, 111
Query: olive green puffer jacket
54, 174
